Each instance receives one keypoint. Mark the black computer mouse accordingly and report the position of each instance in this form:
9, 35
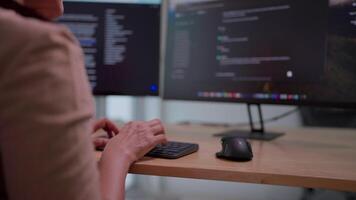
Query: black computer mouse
234, 148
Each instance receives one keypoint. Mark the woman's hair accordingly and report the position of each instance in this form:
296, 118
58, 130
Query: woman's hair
20, 9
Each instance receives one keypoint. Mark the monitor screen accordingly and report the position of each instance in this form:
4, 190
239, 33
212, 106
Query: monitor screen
120, 40
262, 51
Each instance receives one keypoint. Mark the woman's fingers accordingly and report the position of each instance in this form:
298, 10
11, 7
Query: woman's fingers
160, 139
98, 124
156, 126
154, 122
105, 124
157, 130
112, 126
100, 142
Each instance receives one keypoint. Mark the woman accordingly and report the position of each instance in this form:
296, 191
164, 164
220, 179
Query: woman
46, 109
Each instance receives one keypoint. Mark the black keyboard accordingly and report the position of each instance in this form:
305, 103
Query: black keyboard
173, 150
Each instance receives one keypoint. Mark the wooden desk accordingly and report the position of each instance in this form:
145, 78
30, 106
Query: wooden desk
316, 158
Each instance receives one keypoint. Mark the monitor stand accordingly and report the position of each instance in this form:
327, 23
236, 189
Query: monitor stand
254, 133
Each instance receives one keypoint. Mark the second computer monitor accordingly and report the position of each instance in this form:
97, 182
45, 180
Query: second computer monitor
120, 40
262, 51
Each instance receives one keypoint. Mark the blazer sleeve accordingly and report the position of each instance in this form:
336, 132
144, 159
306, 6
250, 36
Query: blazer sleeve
45, 121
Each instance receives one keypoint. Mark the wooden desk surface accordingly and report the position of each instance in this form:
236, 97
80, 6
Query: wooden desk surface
307, 157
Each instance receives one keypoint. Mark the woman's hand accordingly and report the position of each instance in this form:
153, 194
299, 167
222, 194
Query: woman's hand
100, 139
135, 140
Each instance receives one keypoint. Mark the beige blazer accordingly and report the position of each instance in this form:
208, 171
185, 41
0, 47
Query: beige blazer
45, 114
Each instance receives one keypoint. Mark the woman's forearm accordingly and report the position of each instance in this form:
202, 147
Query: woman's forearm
113, 171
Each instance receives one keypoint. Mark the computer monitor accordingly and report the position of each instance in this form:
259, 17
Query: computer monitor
120, 40
262, 52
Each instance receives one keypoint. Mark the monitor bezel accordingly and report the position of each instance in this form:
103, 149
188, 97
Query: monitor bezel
342, 105
123, 94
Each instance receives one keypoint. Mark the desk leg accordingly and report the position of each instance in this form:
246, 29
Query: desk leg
350, 196
308, 194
